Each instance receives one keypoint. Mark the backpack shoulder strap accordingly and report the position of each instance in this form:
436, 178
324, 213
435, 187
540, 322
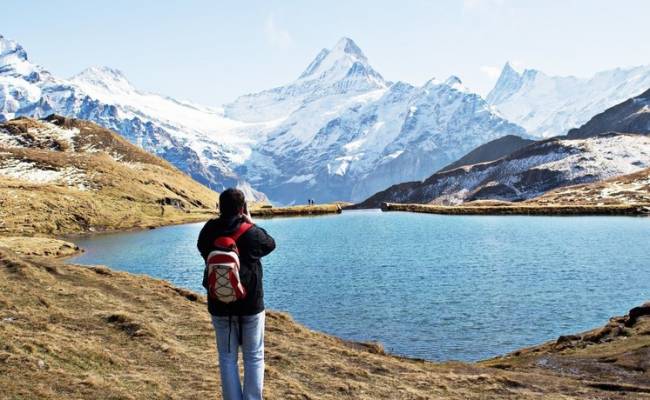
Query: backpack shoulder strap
243, 228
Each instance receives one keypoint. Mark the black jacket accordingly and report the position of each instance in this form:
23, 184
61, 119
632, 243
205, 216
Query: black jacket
252, 245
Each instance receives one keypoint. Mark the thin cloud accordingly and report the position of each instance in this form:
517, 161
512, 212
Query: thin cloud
480, 5
276, 35
491, 71
518, 65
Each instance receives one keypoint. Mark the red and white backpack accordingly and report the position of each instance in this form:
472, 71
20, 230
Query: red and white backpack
223, 266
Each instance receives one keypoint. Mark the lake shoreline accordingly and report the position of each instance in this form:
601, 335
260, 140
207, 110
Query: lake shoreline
521, 209
134, 330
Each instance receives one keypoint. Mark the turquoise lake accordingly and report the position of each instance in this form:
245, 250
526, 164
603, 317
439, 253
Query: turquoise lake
426, 286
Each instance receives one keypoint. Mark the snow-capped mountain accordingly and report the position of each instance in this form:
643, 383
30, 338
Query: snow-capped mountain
386, 136
338, 132
18, 78
613, 143
198, 140
550, 105
342, 71
341, 131
527, 173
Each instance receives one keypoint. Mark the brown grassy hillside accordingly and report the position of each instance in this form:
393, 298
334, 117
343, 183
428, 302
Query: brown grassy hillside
626, 189
76, 332
64, 175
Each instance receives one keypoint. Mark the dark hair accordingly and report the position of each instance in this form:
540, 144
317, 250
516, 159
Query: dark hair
231, 201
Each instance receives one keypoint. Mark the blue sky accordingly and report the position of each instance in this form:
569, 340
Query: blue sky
210, 52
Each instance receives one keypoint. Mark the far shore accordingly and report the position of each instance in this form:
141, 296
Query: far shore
300, 210
61, 244
194, 216
522, 209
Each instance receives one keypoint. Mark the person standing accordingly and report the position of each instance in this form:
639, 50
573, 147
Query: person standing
238, 323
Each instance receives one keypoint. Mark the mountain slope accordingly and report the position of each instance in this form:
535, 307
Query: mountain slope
490, 151
632, 116
63, 175
626, 189
528, 172
549, 106
584, 156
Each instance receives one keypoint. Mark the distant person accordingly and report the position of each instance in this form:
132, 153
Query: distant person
236, 295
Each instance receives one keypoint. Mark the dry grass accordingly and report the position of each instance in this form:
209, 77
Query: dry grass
317, 209
76, 332
626, 189
38, 246
139, 190
521, 209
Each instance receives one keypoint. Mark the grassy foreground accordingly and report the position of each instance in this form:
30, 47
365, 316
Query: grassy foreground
69, 331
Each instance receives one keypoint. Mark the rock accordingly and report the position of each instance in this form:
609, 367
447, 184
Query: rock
41, 364
596, 336
637, 312
171, 201
567, 339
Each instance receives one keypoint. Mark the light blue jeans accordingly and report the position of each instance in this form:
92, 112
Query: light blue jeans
227, 332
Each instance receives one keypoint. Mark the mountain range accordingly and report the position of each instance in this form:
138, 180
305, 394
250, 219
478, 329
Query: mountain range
197, 140
340, 131
551, 105
613, 143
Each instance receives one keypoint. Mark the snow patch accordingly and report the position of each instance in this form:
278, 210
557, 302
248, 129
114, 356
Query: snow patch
354, 145
29, 171
42, 136
301, 178
394, 155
